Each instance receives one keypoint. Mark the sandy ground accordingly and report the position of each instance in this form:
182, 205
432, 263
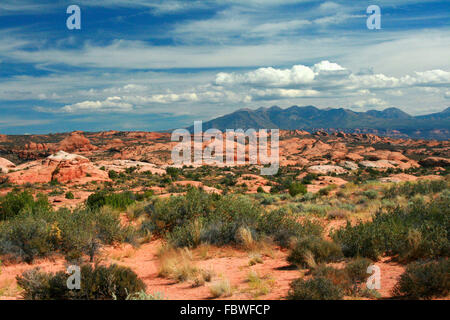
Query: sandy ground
227, 263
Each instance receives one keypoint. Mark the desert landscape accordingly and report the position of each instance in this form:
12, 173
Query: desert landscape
224, 158
339, 203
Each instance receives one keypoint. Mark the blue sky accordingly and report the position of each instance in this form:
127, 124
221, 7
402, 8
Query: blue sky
153, 65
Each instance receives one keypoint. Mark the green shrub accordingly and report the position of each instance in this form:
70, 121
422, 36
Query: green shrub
283, 227
349, 279
169, 213
24, 238
357, 270
338, 277
297, 188
69, 195
424, 280
321, 250
41, 233
371, 194
15, 202
199, 217
314, 289
309, 178
115, 200
326, 191
410, 189
113, 174
419, 231
173, 172
99, 283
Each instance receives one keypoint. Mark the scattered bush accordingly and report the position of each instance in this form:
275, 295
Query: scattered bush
419, 231
142, 295
173, 172
42, 233
371, 194
315, 248
326, 191
297, 188
424, 280
98, 283
115, 200
314, 289
410, 189
113, 174
357, 270
69, 195
349, 279
283, 227
15, 202
198, 217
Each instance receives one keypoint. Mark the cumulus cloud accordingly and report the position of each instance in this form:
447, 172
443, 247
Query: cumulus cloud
322, 80
274, 94
114, 104
298, 74
327, 66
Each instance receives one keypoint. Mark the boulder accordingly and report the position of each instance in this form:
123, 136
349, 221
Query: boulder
379, 164
326, 169
6, 165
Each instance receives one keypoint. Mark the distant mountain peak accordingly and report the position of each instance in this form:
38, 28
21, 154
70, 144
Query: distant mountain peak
387, 121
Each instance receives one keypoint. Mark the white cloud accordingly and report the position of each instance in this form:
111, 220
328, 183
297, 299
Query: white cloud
326, 82
274, 94
112, 104
371, 104
271, 77
327, 66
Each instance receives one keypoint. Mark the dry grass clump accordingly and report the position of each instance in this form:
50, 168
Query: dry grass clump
128, 252
246, 239
203, 277
136, 210
259, 285
177, 264
255, 258
221, 288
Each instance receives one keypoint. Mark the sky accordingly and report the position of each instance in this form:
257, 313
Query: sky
157, 65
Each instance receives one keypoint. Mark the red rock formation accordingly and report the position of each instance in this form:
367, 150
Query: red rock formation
64, 167
6, 165
76, 142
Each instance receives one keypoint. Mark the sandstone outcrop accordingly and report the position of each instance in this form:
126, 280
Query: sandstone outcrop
6, 165
62, 166
326, 169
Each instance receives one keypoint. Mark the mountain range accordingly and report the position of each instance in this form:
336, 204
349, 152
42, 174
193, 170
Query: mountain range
389, 122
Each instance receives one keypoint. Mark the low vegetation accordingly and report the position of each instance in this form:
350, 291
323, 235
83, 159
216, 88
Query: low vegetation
198, 217
99, 283
425, 280
418, 231
39, 231
314, 289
